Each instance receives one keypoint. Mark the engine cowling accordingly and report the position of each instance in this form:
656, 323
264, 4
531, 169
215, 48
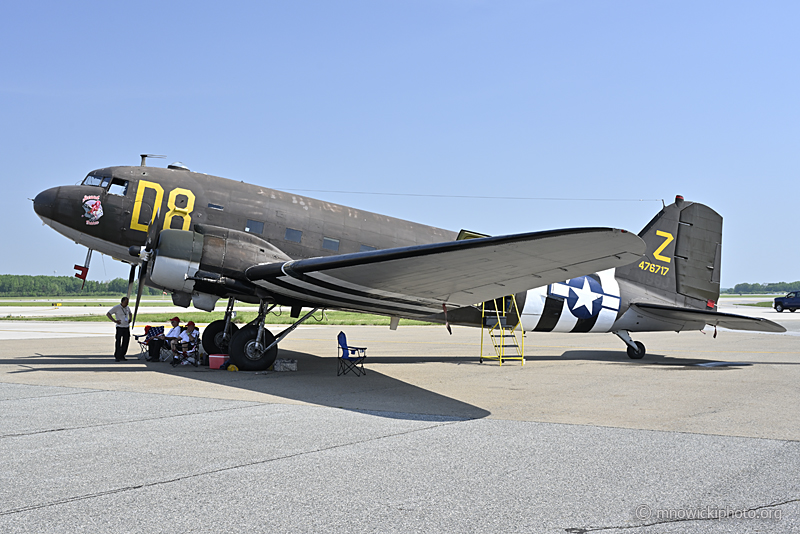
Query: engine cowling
220, 252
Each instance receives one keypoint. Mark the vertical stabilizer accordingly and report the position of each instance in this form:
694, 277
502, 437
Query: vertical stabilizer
684, 254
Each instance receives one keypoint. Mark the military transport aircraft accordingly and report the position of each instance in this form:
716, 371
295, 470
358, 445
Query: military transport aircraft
203, 238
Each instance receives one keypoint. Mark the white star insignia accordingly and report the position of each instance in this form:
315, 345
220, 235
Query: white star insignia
586, 296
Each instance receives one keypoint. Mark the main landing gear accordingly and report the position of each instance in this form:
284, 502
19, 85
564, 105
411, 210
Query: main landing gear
254, 348
636, 350
217, 336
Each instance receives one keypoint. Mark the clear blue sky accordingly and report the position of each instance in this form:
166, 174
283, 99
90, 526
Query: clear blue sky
576, 99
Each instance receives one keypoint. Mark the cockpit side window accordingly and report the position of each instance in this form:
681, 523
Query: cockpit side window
118, 187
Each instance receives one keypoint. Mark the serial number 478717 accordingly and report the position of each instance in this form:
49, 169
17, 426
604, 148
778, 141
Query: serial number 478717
653, 268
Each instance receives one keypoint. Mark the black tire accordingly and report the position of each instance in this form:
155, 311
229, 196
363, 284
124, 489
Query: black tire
778, 308
212, 337
243, 354
636, 354
792, 310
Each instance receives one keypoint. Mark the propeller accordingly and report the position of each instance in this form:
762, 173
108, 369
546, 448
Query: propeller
149, 245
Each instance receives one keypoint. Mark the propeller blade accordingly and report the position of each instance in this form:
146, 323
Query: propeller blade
142, 272
149, 245
131, 278
152, 233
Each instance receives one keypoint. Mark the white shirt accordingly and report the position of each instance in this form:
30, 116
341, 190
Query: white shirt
123, 315
174, 333
186, 337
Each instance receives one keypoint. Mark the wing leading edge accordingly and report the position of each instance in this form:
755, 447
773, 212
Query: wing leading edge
417, 280
725, 320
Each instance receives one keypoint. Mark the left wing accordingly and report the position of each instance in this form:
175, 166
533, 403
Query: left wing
418, 280
725, 320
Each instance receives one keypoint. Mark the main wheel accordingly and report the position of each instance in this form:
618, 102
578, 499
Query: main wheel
212, 337
778, 308
636, 354
245, 355
792, 310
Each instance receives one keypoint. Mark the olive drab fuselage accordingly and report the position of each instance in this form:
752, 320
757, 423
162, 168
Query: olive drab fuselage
132, 198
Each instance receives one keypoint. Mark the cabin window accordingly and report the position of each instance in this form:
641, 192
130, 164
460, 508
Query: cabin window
118, 187
366, 248
293, 235
254, 227
330, 244
217, 207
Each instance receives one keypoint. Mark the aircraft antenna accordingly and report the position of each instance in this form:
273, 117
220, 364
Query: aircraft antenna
145, 156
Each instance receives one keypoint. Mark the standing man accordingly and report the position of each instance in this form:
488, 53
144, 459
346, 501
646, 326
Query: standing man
122, 317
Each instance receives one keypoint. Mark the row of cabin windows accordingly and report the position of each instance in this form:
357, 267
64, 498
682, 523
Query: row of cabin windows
116, 186
328, 243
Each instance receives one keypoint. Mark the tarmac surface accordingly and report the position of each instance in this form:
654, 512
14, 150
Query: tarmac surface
579, 439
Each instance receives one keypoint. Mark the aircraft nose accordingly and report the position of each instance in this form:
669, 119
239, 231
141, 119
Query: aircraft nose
45, 201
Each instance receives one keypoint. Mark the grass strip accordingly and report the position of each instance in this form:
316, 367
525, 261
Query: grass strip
329, 318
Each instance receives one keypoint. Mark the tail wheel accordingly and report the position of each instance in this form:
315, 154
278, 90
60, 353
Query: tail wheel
778, 308
212, 337
637, 354
244, 353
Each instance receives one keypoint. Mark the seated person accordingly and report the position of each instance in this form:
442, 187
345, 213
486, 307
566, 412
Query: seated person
189, 339
153, 342
173, 336
189, 336
164, 340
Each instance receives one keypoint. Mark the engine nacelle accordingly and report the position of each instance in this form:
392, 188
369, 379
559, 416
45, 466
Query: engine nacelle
180, 254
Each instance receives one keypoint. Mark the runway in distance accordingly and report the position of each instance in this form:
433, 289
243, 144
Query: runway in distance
203, 238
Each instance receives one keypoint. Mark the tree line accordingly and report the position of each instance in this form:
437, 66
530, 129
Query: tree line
774, 287
23, 285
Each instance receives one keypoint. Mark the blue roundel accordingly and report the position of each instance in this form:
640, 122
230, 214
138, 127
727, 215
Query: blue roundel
585, 297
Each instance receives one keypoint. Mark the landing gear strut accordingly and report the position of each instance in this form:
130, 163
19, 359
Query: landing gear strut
254, 348
217, 336
636, 350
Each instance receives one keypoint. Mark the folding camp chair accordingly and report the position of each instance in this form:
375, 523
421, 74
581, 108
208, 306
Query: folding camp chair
144, 350
150, 333
350, 358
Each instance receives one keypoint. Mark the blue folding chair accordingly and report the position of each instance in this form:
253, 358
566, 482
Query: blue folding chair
350, 358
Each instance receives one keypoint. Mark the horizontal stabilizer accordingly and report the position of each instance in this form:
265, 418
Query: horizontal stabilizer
725, 320
453, 273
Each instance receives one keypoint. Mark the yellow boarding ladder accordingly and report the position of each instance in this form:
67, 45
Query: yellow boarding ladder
502, 334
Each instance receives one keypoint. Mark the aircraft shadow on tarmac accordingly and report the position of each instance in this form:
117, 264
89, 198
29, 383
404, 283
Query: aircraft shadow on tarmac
315, 382
610, 356
619, 357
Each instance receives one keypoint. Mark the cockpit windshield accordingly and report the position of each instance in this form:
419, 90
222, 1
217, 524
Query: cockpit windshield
96, 179
118, 186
